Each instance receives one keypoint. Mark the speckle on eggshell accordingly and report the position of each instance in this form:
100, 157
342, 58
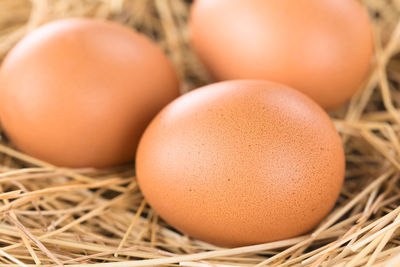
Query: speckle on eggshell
240, 162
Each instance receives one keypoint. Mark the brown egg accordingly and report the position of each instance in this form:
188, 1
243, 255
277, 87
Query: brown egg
241, 162
80, 92
320, 47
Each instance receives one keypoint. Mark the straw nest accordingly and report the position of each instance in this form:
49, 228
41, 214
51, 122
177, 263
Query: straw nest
86, 217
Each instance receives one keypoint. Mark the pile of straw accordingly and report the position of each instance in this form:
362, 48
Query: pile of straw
86, 217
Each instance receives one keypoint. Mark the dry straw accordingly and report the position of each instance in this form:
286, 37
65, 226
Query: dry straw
86, 217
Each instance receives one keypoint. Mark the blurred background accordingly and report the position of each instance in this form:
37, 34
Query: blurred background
162, 20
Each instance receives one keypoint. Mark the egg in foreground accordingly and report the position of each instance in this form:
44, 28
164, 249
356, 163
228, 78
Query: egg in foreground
241, 162
80, 92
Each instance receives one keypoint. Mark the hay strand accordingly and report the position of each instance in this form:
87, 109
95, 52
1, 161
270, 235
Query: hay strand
87, 217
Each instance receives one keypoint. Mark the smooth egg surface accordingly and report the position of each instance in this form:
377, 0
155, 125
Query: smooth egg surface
80, 92
320, 47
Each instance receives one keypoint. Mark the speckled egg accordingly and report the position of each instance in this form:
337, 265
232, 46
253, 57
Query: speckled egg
241, 162
320, 47
80, 92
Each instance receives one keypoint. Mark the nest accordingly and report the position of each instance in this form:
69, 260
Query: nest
86, 217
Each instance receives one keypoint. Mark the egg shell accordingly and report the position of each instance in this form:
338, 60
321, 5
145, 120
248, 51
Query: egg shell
320, 47
80, 92
241, 162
